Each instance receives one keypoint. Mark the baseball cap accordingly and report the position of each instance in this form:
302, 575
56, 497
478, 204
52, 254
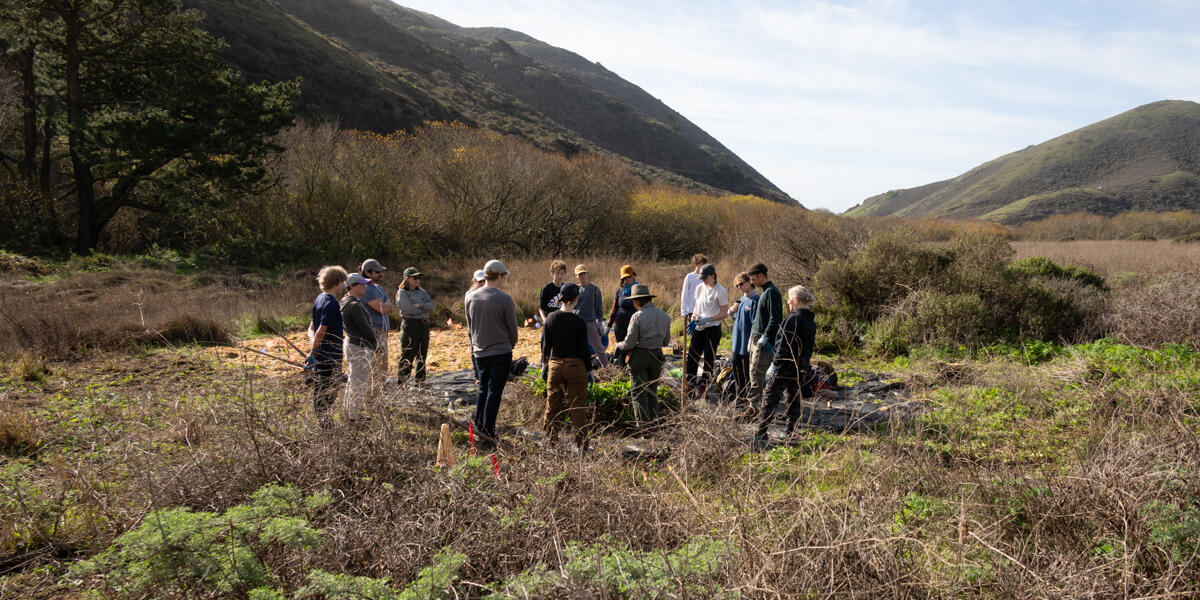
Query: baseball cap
569, 292
580, 268
372, 265
412, 272
480, 275
495, 266
356, 278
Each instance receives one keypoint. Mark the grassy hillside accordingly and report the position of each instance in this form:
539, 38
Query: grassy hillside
377, 66
1145, 159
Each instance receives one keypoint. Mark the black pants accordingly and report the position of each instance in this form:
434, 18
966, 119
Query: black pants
741, 375
414, 347
326, 379
620, 330
796, 385
493, 375
703, 343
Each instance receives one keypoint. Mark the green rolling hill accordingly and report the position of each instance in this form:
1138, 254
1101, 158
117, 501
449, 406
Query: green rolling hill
1146, 159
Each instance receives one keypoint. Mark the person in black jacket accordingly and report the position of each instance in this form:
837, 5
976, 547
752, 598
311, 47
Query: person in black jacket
566, 347
358, 344
793, 351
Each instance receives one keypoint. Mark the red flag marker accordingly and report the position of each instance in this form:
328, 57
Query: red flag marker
495, 466
471, 436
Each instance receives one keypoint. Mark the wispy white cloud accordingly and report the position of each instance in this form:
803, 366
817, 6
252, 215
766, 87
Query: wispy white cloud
837, 101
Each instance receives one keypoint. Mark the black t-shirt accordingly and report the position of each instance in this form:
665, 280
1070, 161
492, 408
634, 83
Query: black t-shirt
566, 337
551, 298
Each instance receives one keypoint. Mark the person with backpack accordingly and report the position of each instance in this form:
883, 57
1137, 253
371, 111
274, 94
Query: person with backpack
622, 311
565, 346
325, 332
649, 331
711, 307
415, 306
492, 326
793, 353
743, 321
768, 315
358, 345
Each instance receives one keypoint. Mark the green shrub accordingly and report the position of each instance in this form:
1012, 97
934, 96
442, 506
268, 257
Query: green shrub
1040, 266
431, 583
1175, 530
177, 550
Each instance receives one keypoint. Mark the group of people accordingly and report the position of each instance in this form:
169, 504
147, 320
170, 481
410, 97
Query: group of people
574, 340
351, 319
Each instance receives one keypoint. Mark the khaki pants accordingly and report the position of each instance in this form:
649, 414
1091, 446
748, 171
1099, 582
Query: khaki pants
760, 361
359, 359
566, 398
379, 363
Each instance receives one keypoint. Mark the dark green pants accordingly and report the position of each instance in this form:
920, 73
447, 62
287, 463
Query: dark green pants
414, 346
645, 370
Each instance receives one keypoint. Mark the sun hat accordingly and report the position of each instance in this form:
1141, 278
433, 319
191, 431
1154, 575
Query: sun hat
356, 278
371, 265
639, 291
627, 271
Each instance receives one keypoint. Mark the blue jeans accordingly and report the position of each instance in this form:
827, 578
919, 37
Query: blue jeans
492, 372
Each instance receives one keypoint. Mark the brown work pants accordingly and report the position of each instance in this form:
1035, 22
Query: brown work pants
566, 399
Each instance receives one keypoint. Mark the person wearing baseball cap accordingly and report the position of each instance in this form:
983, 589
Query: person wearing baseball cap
492, 327
622, 311
358, 344
649, 332
590, 308
711, 307
379, 308
566, 347
476, 283
415, 307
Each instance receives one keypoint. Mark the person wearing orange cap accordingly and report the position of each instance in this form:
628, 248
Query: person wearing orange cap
622, 311
590, 309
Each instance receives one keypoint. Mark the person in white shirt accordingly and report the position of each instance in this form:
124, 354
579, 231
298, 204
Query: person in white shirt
687, 298
710, 308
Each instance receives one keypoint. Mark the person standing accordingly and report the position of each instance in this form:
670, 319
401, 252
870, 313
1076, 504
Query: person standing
492, 325
549, 301
622, 311
590, 307
379, 308
687, 298
793, 352
476, 283
565, 345
415, 307
359, 344
743, 322
712, 306
325, 333
767, 317
649, 331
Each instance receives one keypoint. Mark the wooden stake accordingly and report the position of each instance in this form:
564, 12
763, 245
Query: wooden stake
445, 451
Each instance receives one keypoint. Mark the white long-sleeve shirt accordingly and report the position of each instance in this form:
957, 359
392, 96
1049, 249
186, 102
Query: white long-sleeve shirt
687, 299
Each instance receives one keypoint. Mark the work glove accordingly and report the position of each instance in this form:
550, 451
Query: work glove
310, 361
606, 330
702, 321
765, 345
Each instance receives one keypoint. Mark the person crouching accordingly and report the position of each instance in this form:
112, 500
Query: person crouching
566, 346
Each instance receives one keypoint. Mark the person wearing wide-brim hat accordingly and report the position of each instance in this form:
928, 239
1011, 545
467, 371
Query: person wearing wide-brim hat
415, 307
649, 331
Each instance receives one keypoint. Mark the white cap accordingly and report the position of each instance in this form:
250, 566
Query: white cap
480, 275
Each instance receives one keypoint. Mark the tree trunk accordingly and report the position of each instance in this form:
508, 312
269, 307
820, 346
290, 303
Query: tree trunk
88, 232
29, 109
47, 163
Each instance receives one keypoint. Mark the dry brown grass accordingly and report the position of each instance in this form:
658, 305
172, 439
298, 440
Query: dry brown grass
1119, 259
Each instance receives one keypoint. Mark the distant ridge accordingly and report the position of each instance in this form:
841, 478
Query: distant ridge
375, 65
1146, 159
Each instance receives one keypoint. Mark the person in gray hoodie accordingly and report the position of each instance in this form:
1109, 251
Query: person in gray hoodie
415, 307
358, 344
492, 324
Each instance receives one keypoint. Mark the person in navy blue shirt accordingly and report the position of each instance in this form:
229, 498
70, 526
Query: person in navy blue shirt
325, 332
743, 321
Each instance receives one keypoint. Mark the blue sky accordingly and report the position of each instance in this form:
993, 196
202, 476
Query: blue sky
838, 101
